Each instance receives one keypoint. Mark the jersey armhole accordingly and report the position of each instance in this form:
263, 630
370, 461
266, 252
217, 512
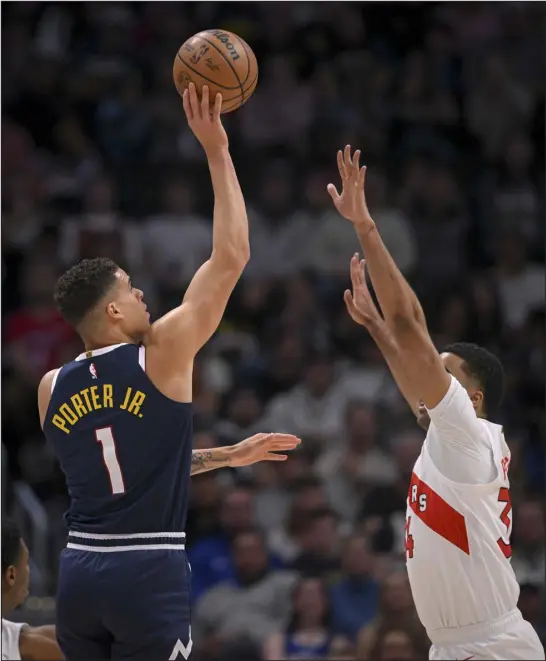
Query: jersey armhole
142, 357
54, 380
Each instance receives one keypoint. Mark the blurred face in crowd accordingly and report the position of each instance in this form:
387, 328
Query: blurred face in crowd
178, 198
320, 536
319, 376
315, 192
99, 197
237, 511
396, 593
456, 366
361, 426
529, 526
511, 252
310, 601
15, 581
357, 558
205, 491
396, 646
250, 556
38, 282
406, 451
245, 408
276, 194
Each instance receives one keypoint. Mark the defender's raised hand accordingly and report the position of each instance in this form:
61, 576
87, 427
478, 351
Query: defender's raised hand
360, 304
204, 121
351, 204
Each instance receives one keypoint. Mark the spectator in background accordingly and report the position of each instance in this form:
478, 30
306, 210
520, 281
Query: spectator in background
350, 469
532, 609
177, 240
383, 511
314, 409
319, 544
354, 599
520, 283
252, 604
396, 611
529, 557
397, 643
211, 557
309, 633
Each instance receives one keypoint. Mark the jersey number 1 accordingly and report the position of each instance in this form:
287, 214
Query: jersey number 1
105, 437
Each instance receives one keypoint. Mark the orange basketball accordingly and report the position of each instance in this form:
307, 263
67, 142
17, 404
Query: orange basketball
221, 60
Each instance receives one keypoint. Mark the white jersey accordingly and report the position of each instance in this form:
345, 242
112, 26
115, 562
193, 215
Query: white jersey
459, 520
11, 632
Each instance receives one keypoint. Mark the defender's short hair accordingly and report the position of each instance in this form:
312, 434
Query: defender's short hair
82, 286
11, 543
486, 369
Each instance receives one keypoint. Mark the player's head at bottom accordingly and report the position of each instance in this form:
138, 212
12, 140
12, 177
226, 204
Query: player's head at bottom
15, 569
97, 298
479, 372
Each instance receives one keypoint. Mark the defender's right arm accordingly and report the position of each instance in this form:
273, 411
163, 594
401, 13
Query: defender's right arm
184, 330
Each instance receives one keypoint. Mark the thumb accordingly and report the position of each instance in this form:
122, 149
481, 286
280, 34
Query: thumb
333, 192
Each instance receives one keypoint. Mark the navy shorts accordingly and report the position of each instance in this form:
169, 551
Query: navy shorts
124, 604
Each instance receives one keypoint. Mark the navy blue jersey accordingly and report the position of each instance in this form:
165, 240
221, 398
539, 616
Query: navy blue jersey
124, 447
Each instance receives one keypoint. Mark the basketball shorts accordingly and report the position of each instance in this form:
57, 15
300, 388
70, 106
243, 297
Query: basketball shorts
132, 604
510, 637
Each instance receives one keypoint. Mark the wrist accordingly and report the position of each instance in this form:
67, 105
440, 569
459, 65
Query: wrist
217, 153
364, 224
225, 454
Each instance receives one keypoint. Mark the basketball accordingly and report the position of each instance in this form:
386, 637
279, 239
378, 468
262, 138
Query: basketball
221, 60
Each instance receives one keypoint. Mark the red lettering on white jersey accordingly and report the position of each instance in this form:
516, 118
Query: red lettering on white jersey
438, 515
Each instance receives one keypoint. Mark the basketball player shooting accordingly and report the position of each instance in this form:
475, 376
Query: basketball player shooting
459, 515
119, 418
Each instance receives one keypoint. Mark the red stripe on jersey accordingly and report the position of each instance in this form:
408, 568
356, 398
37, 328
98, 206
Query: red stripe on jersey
438, 515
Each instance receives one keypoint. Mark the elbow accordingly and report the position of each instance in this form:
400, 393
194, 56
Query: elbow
405, 328
234, 258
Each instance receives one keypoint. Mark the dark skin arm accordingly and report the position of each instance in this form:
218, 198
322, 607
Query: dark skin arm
39, 644
418, 360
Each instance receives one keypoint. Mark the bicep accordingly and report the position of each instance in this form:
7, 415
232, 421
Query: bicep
193, 323
39, 643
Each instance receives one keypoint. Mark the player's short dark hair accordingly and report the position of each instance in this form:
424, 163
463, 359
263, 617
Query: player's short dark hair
486, 369
82, 286
11, 543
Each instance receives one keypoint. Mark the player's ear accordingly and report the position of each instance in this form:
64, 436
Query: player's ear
113, 310
477, 400
10, 575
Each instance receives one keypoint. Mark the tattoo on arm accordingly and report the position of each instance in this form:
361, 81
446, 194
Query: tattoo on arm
207, 460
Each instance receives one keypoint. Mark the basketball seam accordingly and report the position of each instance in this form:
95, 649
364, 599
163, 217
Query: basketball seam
246, 53
225, 87
246, 90
228, 62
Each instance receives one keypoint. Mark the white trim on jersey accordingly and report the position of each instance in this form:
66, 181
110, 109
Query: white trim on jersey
133, 535
99, 352
142, 357
54, 381
134, 547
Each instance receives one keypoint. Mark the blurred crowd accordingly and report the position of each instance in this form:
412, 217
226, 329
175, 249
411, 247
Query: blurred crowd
446, 101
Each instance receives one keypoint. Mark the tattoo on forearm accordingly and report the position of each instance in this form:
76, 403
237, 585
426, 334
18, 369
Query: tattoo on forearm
204, 460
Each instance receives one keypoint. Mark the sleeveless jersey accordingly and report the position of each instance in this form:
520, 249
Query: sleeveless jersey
124, 447
11, 632
457, 535
295, 648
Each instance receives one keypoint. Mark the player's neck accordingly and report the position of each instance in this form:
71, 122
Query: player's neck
108, 340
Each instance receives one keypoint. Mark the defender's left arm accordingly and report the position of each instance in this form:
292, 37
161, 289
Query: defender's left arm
402, 311
39, 644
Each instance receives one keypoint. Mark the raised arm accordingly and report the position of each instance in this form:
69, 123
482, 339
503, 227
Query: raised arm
417, 356
260, 447
363, 310
187, 328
